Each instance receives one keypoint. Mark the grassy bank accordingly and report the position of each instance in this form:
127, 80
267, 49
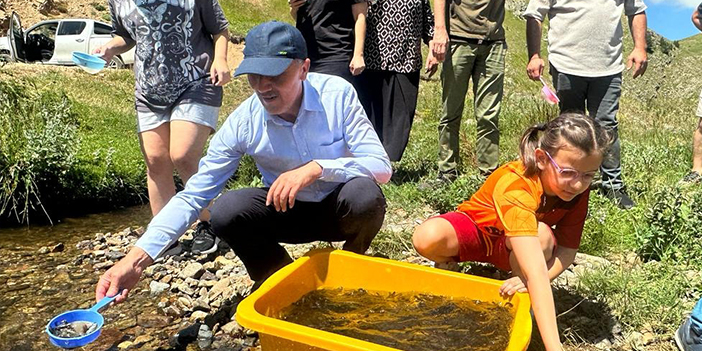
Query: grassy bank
655, 249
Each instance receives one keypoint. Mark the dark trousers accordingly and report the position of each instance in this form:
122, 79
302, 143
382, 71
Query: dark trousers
390, 100
353, 213
334, 68
599, 96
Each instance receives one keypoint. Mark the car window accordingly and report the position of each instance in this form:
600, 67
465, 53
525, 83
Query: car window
102, 29
48, 30
71, 27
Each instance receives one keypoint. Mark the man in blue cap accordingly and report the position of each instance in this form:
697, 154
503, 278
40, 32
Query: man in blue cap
320, 159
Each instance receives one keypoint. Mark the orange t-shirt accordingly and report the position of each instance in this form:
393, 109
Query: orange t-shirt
511, 204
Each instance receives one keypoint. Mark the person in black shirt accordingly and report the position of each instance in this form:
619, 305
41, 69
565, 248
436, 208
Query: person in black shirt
334, 31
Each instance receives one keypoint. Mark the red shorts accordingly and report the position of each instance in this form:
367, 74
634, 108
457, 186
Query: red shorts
472, 243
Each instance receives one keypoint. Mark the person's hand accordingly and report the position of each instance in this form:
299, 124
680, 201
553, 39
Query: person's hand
535, 68
439, 44
284, 190
296, 4
639, 60
124, 275
512, 286
357, 65
431, 66
219, 72
104, 51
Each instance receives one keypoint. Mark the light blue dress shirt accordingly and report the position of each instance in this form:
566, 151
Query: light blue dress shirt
331, 129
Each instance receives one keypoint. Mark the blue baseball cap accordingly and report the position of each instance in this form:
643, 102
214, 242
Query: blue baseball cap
270, 48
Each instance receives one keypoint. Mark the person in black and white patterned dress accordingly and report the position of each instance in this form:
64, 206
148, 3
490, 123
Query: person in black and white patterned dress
388, 87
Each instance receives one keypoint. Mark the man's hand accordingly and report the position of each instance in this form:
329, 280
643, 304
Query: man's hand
432, 64
439, 44
284, 190
357, 65
219, 72
639, 60
512, 286
535, 67
104, 51
123, 276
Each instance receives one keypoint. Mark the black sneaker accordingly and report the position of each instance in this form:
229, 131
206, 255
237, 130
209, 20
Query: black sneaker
686, 339
620, 197
204, 240
174, 250
691, 178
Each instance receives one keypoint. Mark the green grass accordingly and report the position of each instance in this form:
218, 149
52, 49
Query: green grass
245, 14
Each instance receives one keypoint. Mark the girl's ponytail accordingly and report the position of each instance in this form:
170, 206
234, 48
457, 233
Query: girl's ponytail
527, 148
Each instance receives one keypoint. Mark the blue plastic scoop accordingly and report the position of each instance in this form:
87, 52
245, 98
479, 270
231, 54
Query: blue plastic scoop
91, 316
89, 63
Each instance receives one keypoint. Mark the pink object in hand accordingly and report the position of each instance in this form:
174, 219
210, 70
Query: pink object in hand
548, 94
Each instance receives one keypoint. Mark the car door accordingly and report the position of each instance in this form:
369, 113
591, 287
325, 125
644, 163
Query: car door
71, 36
16, 36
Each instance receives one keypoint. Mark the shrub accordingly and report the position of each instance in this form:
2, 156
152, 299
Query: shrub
37, 149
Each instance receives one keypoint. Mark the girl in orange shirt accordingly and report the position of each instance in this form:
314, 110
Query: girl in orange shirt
529, 214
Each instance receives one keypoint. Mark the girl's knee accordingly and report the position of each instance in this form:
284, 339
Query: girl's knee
430, 239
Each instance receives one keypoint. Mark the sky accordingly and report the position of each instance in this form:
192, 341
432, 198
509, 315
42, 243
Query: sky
671, 18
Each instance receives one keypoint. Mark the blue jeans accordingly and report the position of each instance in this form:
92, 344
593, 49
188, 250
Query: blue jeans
600, 95
696, 318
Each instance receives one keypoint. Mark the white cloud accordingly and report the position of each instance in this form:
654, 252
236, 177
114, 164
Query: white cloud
678, 3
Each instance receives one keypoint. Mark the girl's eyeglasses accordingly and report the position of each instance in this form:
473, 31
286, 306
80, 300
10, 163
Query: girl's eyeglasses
569, 174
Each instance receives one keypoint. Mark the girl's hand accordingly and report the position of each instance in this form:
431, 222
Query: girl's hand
513, 285
219, 72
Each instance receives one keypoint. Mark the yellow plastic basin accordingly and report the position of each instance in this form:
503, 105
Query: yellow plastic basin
334, 269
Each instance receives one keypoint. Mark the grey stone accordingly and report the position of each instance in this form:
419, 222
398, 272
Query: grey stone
44, 250
193, 270
156, 287
208, 275
115, 255
153, 320
103, 265
204, 337
84, 244
201, 305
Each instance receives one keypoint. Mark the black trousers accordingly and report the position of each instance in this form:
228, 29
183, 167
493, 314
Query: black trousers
390, 100
353, 213
334, 68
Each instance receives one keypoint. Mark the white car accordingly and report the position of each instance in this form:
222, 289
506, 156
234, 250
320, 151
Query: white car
54, 41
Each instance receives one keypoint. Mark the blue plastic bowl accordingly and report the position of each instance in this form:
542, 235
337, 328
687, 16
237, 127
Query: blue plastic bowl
90, 63
92, 315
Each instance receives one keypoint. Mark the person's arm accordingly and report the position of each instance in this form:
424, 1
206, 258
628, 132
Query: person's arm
440, 42
360, 11
219, 72
295, 7
535, 67
696, 19
563, 258
215, 169
368, 157
638, 58
526, 249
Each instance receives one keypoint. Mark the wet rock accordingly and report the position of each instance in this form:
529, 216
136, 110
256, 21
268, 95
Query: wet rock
98, 253
201, 305
173, 311
198, 316
114, 255
157, 288
218, 289
57, 248
153, 321
204, 337
103, 265
193, 270
17, 286
124, 323
124, 345
142, 339
232, 328
44, 250
84, 244
185, 336
207, 275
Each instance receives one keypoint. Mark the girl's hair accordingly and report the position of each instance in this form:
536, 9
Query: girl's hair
574, 128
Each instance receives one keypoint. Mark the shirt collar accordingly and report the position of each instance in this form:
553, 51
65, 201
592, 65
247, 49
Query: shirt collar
310, 102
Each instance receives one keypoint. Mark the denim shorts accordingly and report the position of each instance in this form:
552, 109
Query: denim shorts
197, 113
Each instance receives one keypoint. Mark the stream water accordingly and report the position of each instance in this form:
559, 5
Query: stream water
36, 286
